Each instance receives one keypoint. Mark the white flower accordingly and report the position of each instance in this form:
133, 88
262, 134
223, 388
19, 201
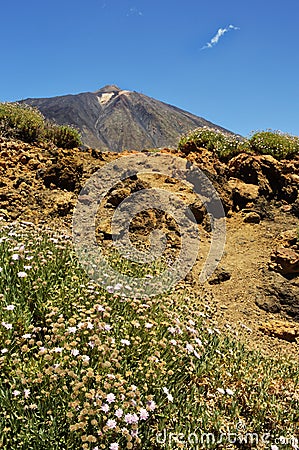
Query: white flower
75, 352
171, 330
27, 267
26, 393
10, 307
15, 257
16, 392
111, 423
148, 325
173, 342
119, 412
26, 336
143, 414
4, 350
107, 327
114, 446
125, 342
221, 391
100, 308
8, 326
22, 274
72, 329
192, 330
58, 349
229, 392
85, 358
105, 407
169, 396
118, 286
151, 405
274, 447
110, 289
189, 348
131, 418
110, 397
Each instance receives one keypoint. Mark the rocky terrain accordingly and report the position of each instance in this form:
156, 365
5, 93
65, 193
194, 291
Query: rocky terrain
256, 285
116, 119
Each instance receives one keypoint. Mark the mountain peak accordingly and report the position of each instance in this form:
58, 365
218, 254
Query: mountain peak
109, 88
116, 119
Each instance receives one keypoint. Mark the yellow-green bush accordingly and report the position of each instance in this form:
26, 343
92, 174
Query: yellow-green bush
225, 145
279, 145
275, 143
63, 136
29, 125
21, 122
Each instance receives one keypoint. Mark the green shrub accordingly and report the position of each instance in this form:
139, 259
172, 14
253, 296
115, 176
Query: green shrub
63, 136
224, 145
20, 121
275, 143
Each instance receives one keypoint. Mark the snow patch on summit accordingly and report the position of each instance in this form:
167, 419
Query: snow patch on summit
105, 97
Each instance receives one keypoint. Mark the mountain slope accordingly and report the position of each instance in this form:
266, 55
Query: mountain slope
115, 119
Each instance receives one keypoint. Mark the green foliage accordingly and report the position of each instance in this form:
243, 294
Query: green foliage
71, 355
224, 145
20, 121
275, 143
63, 136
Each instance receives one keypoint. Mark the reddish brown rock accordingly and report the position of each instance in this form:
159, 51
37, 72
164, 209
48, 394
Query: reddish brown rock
281, 329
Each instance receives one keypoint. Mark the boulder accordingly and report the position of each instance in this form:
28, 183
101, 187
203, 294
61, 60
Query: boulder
242, 193
219, 276
118, 195
66, 174
285, 257
281, 329
285, 261
270, 175
252, 217
276, 294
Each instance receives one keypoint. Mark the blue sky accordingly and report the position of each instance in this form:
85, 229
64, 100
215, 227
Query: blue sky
244, 79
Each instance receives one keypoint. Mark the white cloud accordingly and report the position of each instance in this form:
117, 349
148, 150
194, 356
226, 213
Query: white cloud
134, 12
218, 35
